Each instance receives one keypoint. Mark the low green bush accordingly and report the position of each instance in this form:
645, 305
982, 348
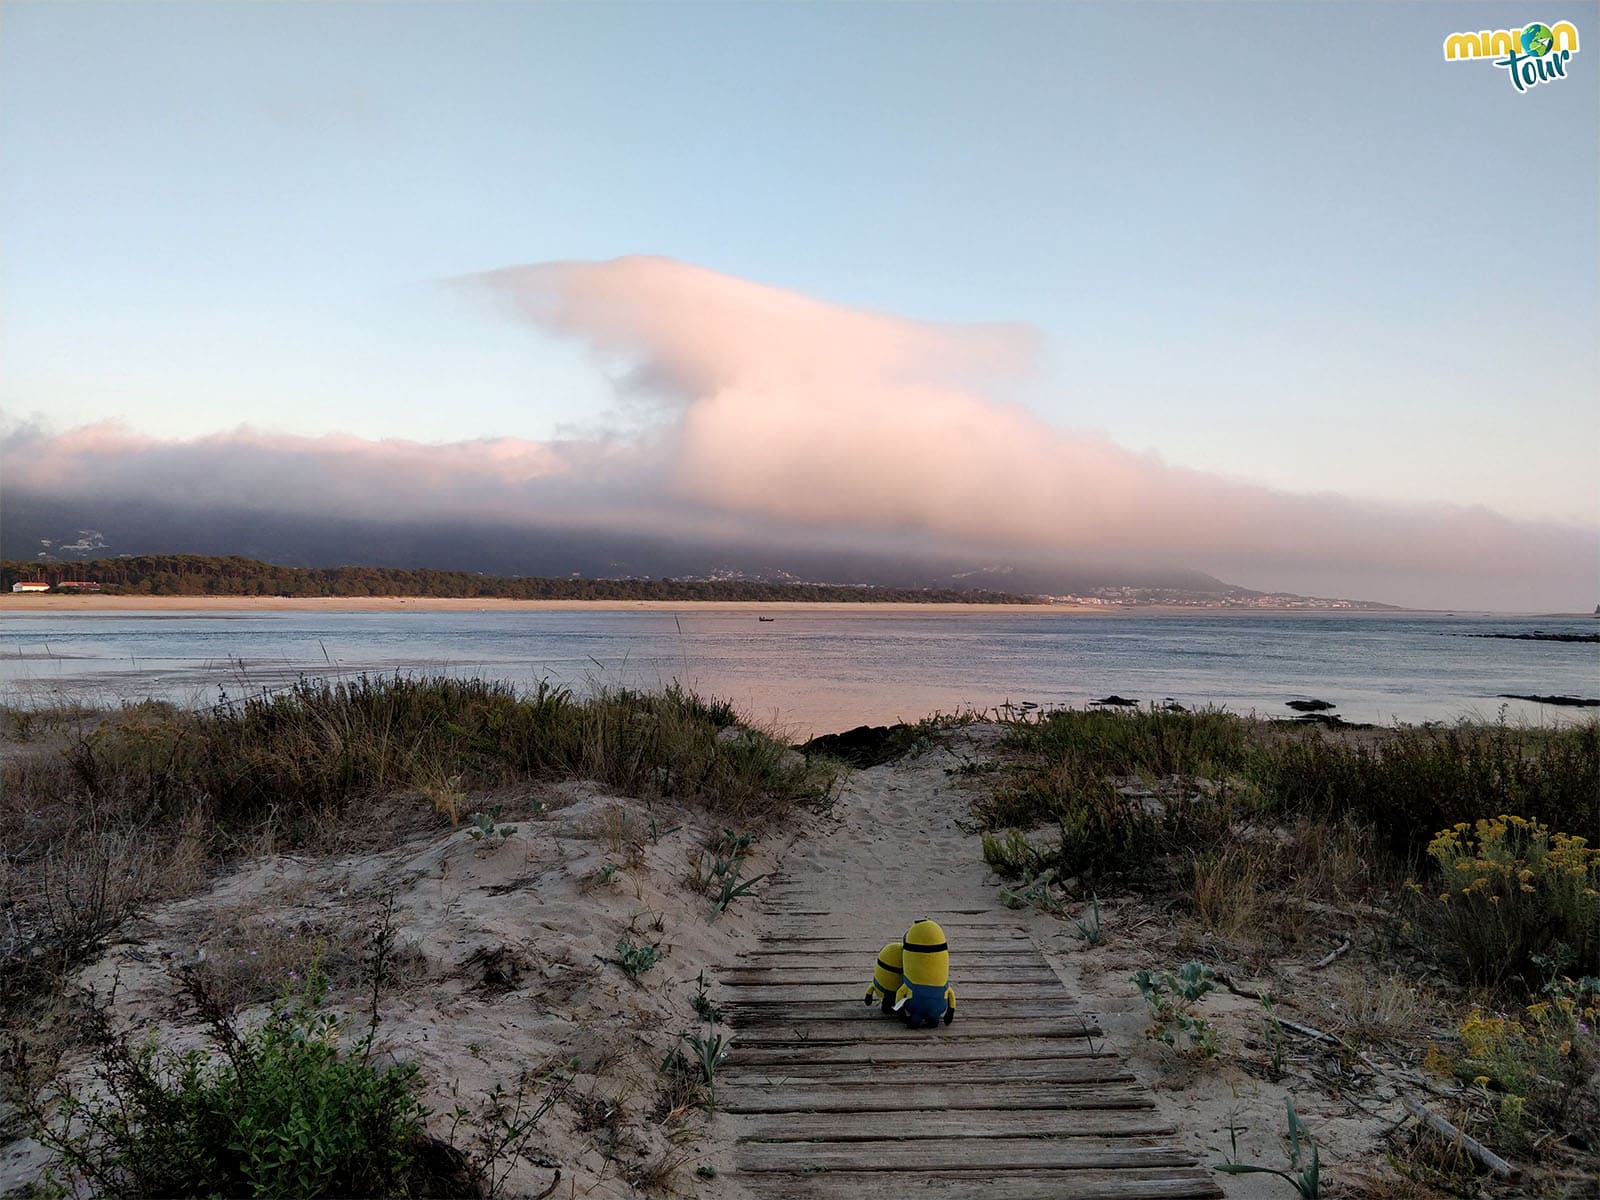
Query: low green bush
278, 1111
1202, 772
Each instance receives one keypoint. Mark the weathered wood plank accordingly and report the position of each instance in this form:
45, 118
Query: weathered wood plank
768, 1028
784, 910
995, 1154
740, 1098
975, 1018
861, 972
1100, 1069
949, 1050
1160, 1183
749, 994
839, 960
847, 1076
992, 940
953, 1123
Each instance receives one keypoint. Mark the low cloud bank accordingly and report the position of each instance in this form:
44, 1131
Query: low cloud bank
783, 417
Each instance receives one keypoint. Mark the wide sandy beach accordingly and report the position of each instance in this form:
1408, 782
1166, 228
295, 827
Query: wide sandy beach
106, 603
157, 604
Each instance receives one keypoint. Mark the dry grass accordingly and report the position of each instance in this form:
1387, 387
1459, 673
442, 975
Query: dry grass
1284, 885
141, 803
1227, 892
1380, 1009
247, 959
621, 831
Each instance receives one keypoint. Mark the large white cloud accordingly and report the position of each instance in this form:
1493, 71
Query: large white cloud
789, 418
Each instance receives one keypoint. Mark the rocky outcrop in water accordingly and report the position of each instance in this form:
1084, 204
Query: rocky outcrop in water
1539, 637
1564, 701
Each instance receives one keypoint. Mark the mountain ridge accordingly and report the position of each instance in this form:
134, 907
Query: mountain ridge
44, 529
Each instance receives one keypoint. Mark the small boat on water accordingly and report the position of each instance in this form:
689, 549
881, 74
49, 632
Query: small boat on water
766, 618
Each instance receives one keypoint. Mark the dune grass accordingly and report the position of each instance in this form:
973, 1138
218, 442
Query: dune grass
1449, 862
144, 803
1236, 814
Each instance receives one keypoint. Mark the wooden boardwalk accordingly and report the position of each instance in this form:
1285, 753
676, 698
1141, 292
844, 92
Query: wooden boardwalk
1019, 1099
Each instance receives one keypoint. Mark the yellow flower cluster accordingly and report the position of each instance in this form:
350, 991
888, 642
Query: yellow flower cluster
1509, 854
1487, 1037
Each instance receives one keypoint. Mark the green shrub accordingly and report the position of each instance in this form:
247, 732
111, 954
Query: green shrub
278, 1111
1010, 854
1206, 771
1156, 743
1418, 779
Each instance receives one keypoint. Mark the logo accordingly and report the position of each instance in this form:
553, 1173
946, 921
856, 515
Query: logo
1534, 54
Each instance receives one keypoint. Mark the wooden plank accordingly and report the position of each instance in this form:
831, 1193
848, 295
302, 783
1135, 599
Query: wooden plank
995, 1154
768, 1028
750, 994
997, 939
1010, 1018
1020, 950
788, 972
949, 1050
913, 1075
952, 1123
805, 908
1013, 951
1160, 1183
739, 1098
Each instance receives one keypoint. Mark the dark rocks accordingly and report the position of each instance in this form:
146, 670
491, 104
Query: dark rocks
1564, 701
1116, 701
1326, 719
1540, 637
1310, 706
866, 745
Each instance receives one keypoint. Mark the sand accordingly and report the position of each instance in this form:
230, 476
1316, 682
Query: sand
156, 604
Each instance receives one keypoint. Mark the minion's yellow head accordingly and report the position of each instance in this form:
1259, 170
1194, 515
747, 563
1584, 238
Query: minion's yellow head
926, 957
887, 973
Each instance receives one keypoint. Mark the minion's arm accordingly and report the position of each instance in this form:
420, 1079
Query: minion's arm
949, 1005
872, 990
901, 997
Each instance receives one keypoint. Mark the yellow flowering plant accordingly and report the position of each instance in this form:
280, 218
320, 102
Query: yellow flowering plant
1534, 1063
1512, 898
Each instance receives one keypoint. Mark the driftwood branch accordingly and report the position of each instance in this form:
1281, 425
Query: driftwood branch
1481, 1153
1324, 961
1236, 989
1315, 1035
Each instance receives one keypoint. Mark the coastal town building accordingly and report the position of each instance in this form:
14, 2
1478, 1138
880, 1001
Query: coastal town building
66, 585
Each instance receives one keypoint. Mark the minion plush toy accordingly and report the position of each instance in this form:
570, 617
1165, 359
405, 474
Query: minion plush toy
885, 977
925, 994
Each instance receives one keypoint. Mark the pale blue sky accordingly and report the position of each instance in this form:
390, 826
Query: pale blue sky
1288, 243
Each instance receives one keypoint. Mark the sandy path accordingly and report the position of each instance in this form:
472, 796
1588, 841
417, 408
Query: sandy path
1019, 1099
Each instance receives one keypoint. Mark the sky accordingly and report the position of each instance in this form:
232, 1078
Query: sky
1270, 291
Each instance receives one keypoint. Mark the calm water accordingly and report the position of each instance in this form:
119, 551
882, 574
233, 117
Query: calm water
820, 671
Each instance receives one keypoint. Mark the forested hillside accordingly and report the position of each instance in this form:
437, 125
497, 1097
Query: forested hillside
197, 575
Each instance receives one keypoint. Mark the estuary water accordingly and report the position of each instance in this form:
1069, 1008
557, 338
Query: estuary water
815, 671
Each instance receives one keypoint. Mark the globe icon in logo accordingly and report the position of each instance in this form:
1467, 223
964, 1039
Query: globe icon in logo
1537, 40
